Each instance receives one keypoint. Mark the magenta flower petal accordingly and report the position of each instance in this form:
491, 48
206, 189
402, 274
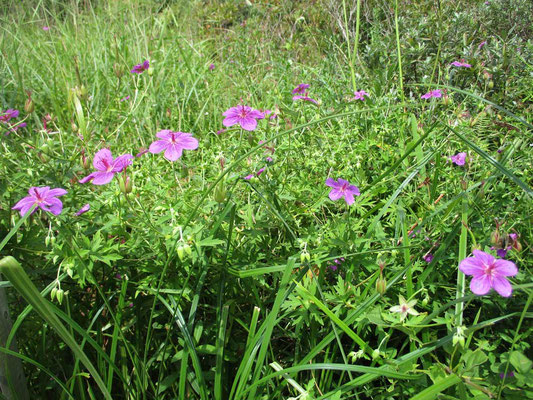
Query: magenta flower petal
101, 178
83, 210
55, 206
480, 285
57, 192
87, 178
102, 160
331, 183
335, 194
505, 268
502, 286
301, 88
471, 266
172, 153
248, 124
158, 146
121, 162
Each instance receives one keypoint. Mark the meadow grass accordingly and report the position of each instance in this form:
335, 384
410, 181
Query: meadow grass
205, 278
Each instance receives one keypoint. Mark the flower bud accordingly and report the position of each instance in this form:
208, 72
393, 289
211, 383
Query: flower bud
59, 295
84, 162
125, 185
220, 192
305, 257
188, 249
118, 69
29, 107
53, 293
464, 185
74, 127
381, 285
47, 241
181, 252
375, 354
495, 237
517, 246
491, 84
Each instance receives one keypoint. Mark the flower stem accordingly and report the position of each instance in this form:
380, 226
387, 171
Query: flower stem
459, 307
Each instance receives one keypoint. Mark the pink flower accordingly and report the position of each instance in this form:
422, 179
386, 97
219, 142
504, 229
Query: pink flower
342, 188
432, 93
125, 98
428, 258
107, 167
360, 95
211, 67
173, 143
461, 64
83, 210
140, 68
488, 273
244, 116
483, 43
305, 97
459, 158
46, 28
301, 88
142, 152
221, 131
44, 198
9, 114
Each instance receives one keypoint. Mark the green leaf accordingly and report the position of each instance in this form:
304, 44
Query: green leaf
520, 362
431, 392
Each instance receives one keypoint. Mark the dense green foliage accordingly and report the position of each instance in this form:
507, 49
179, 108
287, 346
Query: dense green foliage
199, 284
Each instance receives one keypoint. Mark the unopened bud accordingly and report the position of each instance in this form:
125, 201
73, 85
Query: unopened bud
220, 192
29, 107
181, 252
118, 69
188, 249
305, 257
491, 84
59, 295
495, 237
53, 293
517, 246
74, 127
375, 354
84, 162
125, 185
381, 285
464, 185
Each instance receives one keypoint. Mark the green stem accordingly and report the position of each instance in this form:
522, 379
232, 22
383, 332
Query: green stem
459, 307
398, 48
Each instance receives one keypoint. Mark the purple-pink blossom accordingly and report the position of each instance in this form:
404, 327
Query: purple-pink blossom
106, 167
83, 210
342, 188
125, 98
488, 273
221, 131
432, 93
243, 115
301, 88
360, 95
428, 258
483, 43
458, 159
173, 143
140, 68
211, 67
460, 64
8, 114
44, 197
305, 97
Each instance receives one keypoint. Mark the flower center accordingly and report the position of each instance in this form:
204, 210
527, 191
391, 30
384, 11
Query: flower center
173, 139
404, 308
344, 187
243, 112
